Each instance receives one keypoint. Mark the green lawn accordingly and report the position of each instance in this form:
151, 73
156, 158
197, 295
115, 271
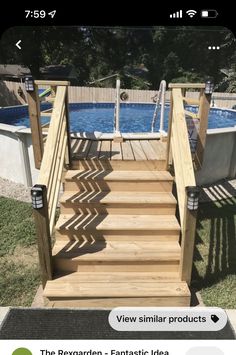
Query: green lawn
19, 277
214, 271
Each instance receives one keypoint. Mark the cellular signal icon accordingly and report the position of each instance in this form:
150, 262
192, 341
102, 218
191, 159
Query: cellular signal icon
178, 14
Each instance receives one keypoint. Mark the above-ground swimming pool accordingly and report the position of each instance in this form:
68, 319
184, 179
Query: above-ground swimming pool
89, 117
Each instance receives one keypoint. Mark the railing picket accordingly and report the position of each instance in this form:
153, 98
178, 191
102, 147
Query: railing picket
203, 113
68, 149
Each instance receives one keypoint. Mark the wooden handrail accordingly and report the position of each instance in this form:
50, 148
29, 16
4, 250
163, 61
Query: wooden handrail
56, 155
52, 139
181, 150
202, 114
184, 176
55, 149
179, 153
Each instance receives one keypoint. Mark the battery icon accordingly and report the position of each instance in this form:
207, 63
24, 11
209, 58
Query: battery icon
209, 13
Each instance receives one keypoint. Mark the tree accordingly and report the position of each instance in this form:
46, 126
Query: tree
170, 53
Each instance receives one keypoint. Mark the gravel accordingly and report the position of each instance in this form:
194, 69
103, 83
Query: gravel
13, 190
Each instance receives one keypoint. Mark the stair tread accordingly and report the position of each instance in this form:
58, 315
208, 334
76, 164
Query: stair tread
140, 197
116, 222
118, 175
117, 251
115, 276
70, 289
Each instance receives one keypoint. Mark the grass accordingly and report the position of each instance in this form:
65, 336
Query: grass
19, 277
214, 271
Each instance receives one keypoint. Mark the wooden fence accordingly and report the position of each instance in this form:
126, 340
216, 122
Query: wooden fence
93, 94
12, 93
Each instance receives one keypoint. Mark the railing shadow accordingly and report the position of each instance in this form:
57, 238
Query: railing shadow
85, 240
83, 148
215, 247
87, 213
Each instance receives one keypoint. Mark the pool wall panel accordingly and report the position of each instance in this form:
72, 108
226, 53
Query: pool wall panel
13, 144
219, 157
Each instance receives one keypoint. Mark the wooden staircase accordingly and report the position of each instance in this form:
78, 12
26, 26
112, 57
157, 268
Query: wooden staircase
117, 238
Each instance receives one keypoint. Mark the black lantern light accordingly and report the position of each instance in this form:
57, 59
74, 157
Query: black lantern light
29, 84
193, 193
209, 87
37, 196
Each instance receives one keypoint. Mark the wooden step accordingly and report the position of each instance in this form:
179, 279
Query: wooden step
106, 164
117, 202
112, 235
139, 289
116, 256
93, 223
142, 277
117, 227
114, 289
118, 180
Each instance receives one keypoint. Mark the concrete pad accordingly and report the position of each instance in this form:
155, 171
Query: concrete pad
3, 313
38, 301
231, 313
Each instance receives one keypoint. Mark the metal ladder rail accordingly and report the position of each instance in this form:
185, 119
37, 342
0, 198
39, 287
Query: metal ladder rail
117, 108
160, 102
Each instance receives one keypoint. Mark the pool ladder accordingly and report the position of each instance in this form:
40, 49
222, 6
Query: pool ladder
160, 102
117, 133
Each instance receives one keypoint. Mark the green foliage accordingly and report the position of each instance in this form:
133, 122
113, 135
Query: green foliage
228, 82
170, 53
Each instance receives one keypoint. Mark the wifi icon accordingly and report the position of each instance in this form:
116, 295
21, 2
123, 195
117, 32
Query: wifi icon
191, 13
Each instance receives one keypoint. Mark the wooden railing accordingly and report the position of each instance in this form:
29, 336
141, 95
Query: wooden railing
178, 152
35, 113
203, 103
56, 153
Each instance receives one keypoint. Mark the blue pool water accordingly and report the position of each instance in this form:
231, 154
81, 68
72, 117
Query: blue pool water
100, 117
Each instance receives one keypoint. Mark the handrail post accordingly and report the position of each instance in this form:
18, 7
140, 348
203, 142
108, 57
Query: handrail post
68, 150
40, 208
187, 243
168, 147
163, 95
203, 113
35, 124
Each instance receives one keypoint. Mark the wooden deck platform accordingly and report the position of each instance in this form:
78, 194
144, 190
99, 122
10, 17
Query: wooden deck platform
129, 149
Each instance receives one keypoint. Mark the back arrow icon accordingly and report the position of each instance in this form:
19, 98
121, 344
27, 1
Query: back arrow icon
18, 44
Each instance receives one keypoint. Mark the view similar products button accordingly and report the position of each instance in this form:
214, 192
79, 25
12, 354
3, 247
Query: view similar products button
167, 319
